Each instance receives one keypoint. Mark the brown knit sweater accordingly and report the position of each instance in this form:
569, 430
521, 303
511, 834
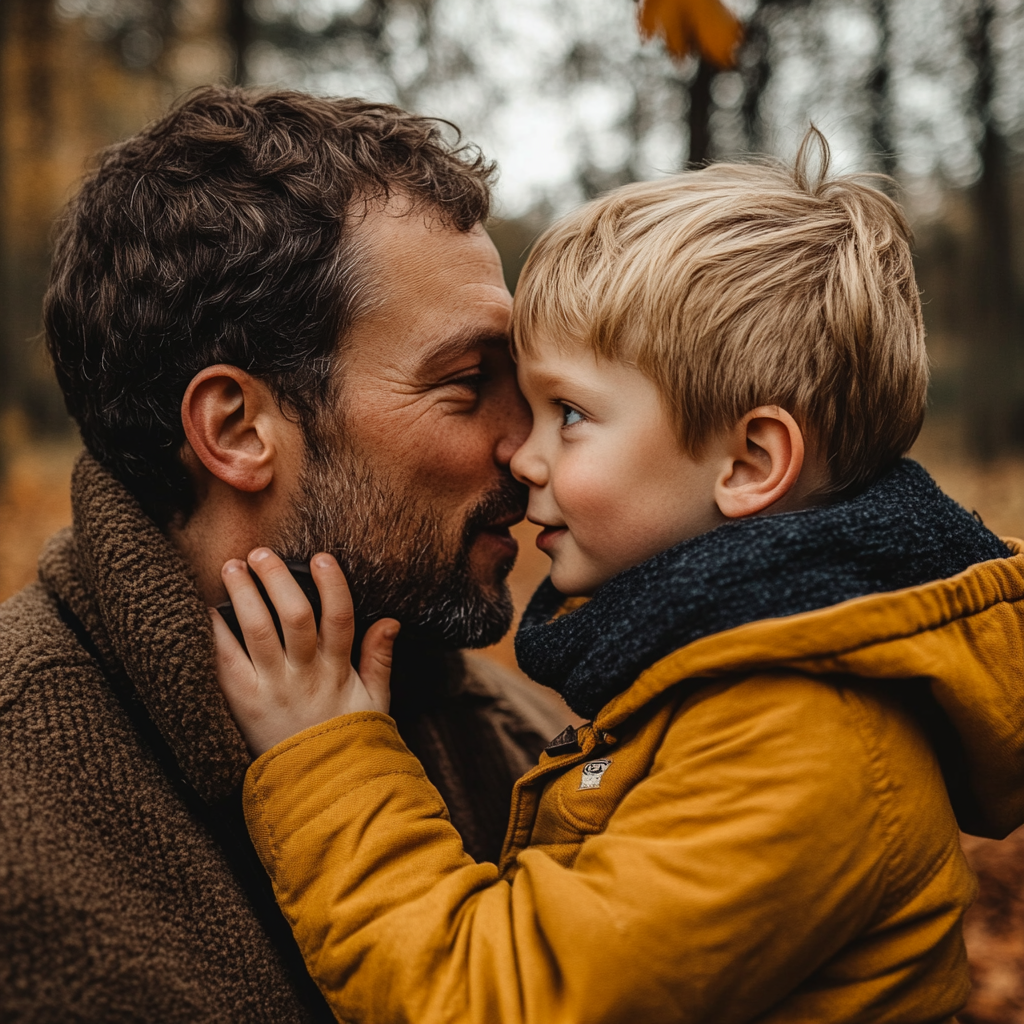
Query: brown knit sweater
128, 888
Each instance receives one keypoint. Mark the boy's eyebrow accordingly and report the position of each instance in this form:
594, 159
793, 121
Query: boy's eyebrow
556, 382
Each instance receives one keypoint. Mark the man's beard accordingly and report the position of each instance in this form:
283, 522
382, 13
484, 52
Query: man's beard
399, 555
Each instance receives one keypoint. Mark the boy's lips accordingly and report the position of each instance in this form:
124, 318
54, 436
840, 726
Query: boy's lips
549, 536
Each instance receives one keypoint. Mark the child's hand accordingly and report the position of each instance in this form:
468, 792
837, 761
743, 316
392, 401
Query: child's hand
278, 691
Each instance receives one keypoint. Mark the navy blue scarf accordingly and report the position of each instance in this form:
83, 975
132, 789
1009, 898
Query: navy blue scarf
901, 532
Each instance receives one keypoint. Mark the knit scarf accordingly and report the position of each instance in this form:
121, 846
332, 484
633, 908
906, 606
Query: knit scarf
900, 532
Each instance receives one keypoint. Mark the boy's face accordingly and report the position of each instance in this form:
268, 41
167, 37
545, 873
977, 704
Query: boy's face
609, 481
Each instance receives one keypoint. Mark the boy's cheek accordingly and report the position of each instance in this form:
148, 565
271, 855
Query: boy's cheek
584, 496
573, 572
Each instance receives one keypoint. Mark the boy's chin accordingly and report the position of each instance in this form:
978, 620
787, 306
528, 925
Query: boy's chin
573, 583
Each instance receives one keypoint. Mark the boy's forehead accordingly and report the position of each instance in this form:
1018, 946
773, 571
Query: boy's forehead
552, 345
575, 367
552, 355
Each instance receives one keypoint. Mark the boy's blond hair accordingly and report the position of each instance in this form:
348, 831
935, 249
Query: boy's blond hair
741, 285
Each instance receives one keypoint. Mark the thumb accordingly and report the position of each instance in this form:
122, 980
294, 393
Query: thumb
375, 661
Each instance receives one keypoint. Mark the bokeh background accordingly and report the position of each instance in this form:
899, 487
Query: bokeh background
570, 101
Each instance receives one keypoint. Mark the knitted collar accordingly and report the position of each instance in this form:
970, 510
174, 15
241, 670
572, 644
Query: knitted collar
137, 599
901, 532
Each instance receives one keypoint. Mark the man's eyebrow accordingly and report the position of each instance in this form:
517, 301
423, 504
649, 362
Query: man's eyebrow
448, 351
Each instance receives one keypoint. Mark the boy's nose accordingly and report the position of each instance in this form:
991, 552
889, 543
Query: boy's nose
527, 466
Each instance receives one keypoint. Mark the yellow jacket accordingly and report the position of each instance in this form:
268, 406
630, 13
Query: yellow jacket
757, 829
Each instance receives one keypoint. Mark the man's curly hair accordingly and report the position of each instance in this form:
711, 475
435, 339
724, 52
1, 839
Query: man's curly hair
222, 233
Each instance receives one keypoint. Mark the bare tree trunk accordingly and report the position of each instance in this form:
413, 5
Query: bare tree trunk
755, 66
239, 32
5, 212
992, 401
880, 91
29, 190
756, 71
699, 115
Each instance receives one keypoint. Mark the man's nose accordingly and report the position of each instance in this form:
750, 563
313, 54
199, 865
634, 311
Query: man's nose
516, 422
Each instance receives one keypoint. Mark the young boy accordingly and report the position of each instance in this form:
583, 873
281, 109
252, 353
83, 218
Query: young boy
784, 636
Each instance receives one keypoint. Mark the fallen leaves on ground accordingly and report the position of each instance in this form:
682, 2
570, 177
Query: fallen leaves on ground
994, 931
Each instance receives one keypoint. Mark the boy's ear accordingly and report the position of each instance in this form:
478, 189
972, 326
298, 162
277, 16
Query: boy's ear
232, 422
765, 455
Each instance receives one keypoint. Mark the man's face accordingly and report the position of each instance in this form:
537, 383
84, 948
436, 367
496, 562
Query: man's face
408, 481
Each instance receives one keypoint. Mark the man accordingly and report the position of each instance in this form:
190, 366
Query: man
276, 320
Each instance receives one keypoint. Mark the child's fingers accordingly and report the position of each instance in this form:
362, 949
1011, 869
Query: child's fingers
293, 608
337, 619
375, 661
235, 673
240, 684
253, 616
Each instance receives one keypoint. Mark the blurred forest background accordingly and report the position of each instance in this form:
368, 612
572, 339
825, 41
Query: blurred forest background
567, 98
570, 101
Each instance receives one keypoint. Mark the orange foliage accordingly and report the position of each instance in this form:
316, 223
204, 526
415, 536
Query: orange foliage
34, 503
704, 26
64, 98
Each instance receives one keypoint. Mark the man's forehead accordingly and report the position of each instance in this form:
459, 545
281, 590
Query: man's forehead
405, 247
436, 293
400, 232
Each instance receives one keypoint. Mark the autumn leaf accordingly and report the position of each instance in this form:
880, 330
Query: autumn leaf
702, 25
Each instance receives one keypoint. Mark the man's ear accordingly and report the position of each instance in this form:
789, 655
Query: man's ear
765, 455
231, 421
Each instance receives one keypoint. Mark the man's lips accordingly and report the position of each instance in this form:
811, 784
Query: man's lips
497, 535
505, 521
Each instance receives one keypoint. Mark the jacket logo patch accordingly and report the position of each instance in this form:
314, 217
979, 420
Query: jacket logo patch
593, 772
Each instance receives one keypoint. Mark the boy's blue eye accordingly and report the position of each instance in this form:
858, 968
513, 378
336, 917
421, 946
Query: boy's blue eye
571, 416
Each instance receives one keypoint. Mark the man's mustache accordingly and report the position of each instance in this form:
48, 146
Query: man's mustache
506, 502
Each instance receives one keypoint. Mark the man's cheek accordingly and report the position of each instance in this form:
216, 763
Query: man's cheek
455, 465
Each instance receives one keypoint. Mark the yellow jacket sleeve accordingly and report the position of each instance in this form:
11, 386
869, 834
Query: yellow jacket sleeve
756, 846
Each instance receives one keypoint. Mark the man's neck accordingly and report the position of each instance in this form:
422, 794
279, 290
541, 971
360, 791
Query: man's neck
210, 537
229, 521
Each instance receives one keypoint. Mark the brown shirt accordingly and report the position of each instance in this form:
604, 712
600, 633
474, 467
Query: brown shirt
128, 888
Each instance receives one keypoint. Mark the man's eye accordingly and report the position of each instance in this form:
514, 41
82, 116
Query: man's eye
571, 416
473, 381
